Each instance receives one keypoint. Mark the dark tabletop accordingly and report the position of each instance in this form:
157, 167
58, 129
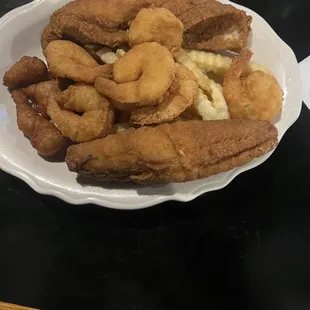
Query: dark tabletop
247, 245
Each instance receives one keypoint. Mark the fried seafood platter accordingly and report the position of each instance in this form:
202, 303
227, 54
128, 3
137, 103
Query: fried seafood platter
147, 92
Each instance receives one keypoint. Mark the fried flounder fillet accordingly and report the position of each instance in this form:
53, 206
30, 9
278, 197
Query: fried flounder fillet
177, 152
93, 21
208, 24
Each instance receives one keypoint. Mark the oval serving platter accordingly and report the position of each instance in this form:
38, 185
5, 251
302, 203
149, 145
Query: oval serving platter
20, 32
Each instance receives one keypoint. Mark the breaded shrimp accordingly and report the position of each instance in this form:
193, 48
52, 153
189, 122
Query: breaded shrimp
180, 96
156, 25
68, 60
142, 76
39, 93
97, 117
257, 96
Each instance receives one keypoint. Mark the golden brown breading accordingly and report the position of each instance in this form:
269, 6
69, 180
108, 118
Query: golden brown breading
177, 152
43, 135
141, 77
94, 21
156, 25
68, 60
27, 71
39, 93
256, 96
97, 114
181, 95
48, 36
208, 24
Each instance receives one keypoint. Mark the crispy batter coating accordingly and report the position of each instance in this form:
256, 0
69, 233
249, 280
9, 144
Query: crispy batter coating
142, 76
156, 25
68, 60
208, 24
178, 98
47, 37
97, 113
27, 71
177, 152
95, 21
43, 134
256, 96
39, 93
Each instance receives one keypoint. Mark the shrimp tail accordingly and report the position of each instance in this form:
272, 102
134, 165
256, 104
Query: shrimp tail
239, 64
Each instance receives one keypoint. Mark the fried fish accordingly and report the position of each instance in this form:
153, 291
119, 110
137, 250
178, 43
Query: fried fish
177, 152
208, 24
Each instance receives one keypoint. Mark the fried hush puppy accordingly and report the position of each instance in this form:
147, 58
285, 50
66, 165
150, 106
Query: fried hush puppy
176, 152
43, 134
26, 71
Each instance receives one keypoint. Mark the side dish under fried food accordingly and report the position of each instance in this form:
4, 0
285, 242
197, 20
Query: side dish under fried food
142, 76
256, 96
27, 71
43, 134
97, 113
177, 152
213, 109
68, 60
219, 64
208, 24
178, 98
156, 25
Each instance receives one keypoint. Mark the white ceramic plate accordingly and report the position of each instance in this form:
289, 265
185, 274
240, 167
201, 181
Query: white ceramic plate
20, 32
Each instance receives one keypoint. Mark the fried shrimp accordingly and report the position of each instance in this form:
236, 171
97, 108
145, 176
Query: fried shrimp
257, 96
217, 104
156, 25
142, 76
219, 64
68, 60
97, 117
180, 96
39, 94
43, 134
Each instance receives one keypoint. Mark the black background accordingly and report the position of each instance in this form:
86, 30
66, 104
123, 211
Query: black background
247, 245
